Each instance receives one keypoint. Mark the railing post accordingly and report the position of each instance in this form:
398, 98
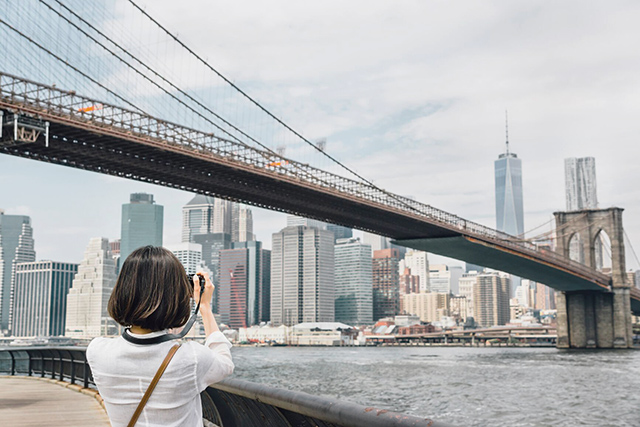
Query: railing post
42, 365
53, 367
86, 374
73, 368
61, 367
13, 363
29, 365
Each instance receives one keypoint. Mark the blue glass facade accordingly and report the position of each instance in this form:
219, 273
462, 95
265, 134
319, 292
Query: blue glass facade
509, 206
142, 222
16, 245
508, 180
40, 302
244, 284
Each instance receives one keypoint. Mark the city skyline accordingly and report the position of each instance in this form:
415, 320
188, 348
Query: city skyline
455, 160
269, 105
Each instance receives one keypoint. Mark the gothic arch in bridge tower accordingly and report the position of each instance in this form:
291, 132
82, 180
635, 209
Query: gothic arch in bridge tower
576, 248
588, 225
590, 319
602, 250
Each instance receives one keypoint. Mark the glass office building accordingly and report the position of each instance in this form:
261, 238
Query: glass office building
302, 276
509, 206
142, 222
508, 180
16, 245
40, 303
354, 287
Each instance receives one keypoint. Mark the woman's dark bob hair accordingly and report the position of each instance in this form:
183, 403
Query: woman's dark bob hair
152, 291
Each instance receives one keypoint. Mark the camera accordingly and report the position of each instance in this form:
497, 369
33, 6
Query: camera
200, 276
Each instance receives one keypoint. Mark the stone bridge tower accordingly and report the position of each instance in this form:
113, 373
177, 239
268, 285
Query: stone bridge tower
594, 319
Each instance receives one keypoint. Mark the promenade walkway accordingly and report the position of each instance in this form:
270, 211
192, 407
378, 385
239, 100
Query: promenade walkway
28, 401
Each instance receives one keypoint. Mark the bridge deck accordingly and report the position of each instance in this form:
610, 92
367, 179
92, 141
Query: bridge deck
26, 401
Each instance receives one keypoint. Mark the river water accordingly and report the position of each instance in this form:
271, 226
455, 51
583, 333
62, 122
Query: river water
462, 386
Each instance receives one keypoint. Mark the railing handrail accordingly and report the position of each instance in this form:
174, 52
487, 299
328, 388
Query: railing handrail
336, 412
326, 409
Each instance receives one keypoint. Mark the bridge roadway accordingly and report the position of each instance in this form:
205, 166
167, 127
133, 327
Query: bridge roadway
30, 401
87, 134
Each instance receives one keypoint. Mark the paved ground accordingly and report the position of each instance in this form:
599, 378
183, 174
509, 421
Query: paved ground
28, 401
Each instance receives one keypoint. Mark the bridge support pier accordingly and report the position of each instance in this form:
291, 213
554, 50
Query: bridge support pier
589, 319
595, 319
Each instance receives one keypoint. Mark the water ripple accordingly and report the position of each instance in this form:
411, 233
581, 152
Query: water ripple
511, 387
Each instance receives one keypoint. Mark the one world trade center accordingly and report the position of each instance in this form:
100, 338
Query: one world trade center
509, 210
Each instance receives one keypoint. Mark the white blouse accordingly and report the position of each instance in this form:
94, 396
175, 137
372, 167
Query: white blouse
122, 372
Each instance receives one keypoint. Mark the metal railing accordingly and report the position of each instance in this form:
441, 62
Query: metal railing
84, 111
229, 403
59, 363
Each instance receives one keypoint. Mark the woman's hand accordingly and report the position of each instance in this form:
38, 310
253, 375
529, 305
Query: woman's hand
208, 320
207, 295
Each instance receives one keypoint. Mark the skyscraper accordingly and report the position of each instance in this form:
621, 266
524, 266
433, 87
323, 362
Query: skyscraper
581, 192
444, 278
294, 221
222, 216
233, 292
376, 242
189, 254
580, 183
428, 306
418, 262
509, 206
466, 285
244, 284
340, 232
544, 297
40, 303
508, 179
386, 283
208, 215
16, 245
215, 224
241, 224
380, 242
354, 288
491, 299
302, 276
212, 244
197, 217
142, 222
86, 314
409, 284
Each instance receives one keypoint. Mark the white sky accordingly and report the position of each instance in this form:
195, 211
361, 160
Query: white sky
410, 94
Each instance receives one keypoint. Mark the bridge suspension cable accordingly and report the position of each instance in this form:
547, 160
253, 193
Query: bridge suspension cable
198, 111
633, 251
66, 63
273, 154
550, 235
154, 72
535, 228
265, 110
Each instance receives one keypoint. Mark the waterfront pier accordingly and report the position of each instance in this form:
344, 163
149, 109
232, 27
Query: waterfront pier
30, 401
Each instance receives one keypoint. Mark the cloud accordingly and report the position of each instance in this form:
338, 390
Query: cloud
412, 94
19, 210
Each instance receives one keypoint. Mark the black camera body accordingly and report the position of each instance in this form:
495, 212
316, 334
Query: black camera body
200, 277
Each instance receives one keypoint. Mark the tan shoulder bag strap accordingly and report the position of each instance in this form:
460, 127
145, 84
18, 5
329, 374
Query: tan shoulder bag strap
153, 384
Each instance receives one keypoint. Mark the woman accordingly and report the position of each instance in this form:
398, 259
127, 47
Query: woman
151, 296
